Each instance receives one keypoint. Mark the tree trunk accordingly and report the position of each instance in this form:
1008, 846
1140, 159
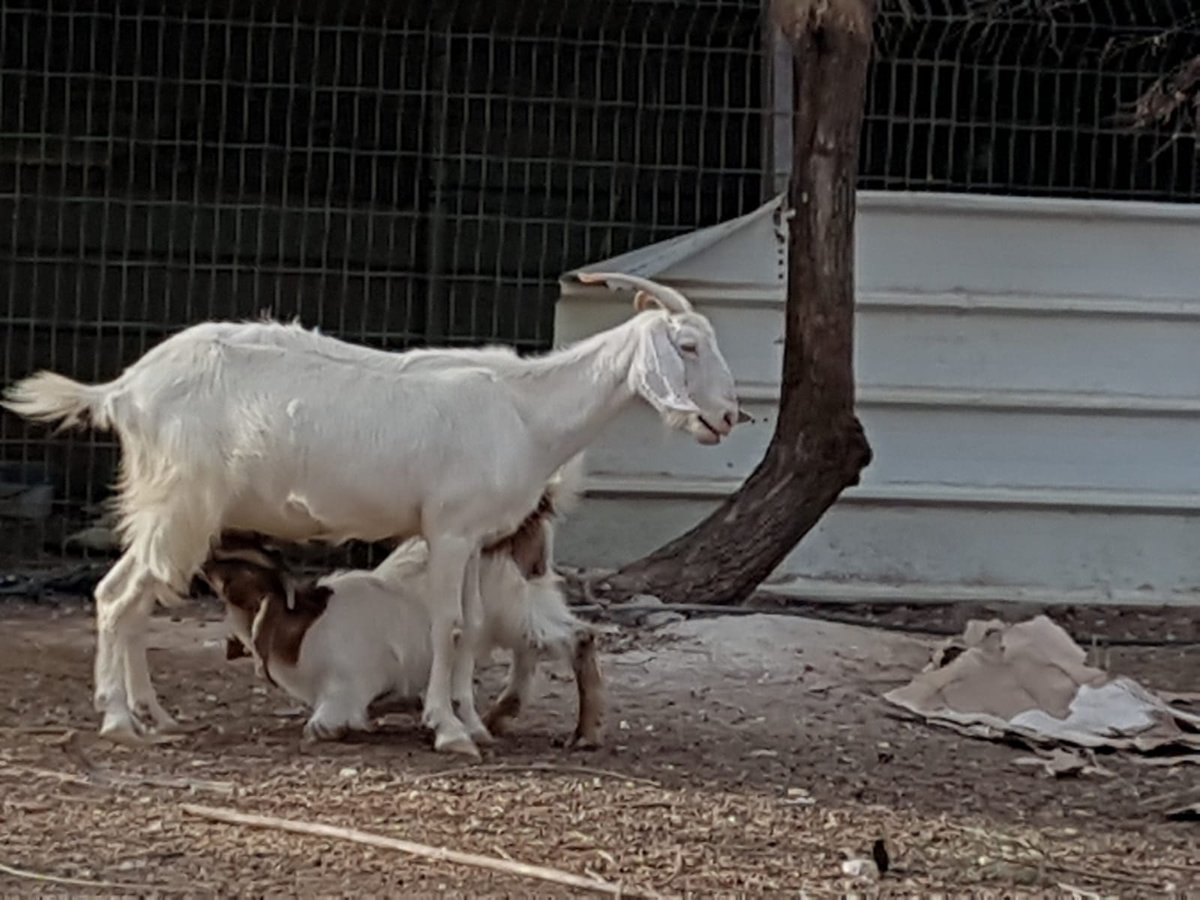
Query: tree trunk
819, 447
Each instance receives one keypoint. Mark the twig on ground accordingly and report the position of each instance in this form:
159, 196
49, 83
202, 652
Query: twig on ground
13, 769
99, 779
1042, 860
1172, 796
1094, 874
58, 730
550, 768
86, 882
1077, 892
187, 784
424, 851
95, 777
107, 778
767, 604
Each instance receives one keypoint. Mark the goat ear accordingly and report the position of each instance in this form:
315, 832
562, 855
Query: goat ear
658, 373
644, 300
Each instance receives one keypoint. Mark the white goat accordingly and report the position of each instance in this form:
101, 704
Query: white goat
361, 637
302, 437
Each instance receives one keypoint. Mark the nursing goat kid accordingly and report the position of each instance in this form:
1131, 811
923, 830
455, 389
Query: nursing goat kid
358, 639
292, 439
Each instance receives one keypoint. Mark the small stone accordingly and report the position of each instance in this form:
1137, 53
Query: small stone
661, 619
860, 868
347, 772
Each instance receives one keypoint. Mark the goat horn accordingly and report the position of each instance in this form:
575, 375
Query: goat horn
670, 298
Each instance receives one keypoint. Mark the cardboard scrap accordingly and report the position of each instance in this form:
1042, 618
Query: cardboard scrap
1182, 697
1193, 758
1060, 762
1031, 680
1188, 812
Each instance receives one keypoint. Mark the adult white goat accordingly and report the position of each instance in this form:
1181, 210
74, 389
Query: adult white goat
302, 437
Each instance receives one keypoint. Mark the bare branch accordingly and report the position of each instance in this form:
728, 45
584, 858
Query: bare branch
424, 851
796, 16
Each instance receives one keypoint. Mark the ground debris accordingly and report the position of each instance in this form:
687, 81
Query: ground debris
686, 808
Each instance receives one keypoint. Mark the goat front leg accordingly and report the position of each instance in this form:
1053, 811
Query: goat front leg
516, 690
339, 710
462, 684
448, 558
589, 729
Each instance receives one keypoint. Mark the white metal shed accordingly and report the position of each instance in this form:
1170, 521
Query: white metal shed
1029, 377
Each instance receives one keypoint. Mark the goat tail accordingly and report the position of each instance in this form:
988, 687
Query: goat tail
565, 486
404, 562
50, 397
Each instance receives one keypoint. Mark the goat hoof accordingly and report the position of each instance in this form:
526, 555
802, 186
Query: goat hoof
497, 724
319, 731
481, 735
580, 741
164, 738
503, 711
463, 746
122, 730
153, 718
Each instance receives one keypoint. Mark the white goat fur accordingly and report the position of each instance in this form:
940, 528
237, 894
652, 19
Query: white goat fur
268, 428
372, 640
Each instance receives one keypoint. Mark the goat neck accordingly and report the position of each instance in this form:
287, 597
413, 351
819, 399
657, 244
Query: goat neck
570, 395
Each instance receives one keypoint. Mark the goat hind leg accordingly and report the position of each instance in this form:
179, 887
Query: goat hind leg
448, 558
108, 588
462, 681
139, 684
119, 591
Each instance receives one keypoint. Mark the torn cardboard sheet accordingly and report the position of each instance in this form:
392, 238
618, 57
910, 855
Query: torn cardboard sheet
1191, 811
1032, 681
1193, 758
1060, 762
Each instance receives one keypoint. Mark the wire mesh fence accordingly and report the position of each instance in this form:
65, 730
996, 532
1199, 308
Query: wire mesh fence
1034, 97
396, 174
401, 173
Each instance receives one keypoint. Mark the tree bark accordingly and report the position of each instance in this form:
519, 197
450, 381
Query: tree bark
819, 447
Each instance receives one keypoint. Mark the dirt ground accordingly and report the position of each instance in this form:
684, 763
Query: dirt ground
745, 754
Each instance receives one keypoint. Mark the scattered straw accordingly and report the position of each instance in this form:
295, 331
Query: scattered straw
550, 768
86, 882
